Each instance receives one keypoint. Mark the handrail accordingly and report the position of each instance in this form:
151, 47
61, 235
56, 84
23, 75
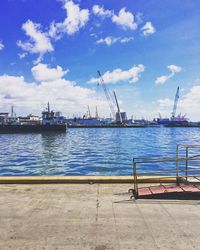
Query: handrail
178, 172
163, 159
189, 145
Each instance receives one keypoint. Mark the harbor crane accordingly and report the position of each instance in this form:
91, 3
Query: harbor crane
88, 112
12, 111
118, 109
175, 104
107, 93
96, 113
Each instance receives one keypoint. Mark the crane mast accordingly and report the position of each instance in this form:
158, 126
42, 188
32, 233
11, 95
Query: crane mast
107, 94
118, 109
175, 103
97, 114
88, 112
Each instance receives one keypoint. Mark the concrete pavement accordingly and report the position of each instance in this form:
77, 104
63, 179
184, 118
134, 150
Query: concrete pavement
98, 217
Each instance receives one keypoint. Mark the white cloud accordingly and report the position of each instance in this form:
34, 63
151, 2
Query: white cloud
148, 29
126, 39
125, 19
173, 70
162, 79
189, 104
42, 72
165, 102
131, 75
63, 95
22, 55
1, 45
39, 42
75, 20
100, 11
109, 40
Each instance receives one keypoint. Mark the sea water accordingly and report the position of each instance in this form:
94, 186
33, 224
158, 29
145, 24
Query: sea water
88, 151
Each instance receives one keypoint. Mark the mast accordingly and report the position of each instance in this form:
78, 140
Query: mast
48, 107
89, 113
97, 115
118, 109
12, 111
175, 103
116, 101
107, 94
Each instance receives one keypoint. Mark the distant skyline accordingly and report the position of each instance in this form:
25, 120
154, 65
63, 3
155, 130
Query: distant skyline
51, 50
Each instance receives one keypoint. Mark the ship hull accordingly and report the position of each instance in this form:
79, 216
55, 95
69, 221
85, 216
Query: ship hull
106, 126
7, 129
183, 125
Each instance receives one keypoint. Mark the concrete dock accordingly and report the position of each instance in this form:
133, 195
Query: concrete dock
93, 216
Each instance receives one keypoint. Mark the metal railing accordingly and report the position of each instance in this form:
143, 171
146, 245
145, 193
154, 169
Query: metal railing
186, 150
186, 164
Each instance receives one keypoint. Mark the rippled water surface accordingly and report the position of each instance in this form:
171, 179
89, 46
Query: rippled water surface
88, 151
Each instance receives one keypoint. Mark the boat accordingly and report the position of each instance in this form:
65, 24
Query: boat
51, 122
183, 124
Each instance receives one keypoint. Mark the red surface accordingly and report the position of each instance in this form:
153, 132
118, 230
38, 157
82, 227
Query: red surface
158, 189
197, 186
168, 189
144, 191
189, 188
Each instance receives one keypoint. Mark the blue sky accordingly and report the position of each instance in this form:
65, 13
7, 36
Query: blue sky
51, 50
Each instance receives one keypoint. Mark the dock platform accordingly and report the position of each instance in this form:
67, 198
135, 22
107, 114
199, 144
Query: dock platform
98, 216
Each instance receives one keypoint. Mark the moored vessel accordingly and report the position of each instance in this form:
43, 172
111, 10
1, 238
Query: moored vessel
50, 122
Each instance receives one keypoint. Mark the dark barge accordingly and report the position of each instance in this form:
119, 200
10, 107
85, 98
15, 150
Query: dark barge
7, 129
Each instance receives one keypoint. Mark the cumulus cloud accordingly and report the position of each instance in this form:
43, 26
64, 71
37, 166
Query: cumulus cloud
75, 20
189, 104
131, 75
125, 19
39, 42
1, 45
42, 72
32, 97
166, 102
100, 11
22, 55
109, 40
148, 29
173, 70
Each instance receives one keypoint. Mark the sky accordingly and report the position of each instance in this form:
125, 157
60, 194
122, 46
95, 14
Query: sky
50, 50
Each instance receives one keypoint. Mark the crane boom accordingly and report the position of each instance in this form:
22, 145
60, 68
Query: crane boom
107, 94
175, 103
118, 109
89, 113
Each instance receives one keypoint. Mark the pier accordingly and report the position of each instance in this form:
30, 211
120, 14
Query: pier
96, 216
148, 210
